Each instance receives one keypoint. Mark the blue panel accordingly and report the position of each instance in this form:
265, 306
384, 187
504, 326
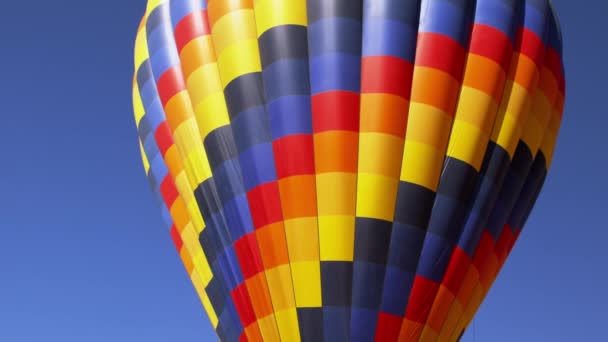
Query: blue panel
504, 204
149, 94
471, 233
156, 115
336, 323
363, 324
181, 8
382, 37
406, 11
290, 115
447, 218
436, 254
233, 263
155, 18
334, 35
238, 217
446, 18
405, 246
250, 128
286, 77
396, 284
335, 71
229, 264
146, 138
162, 60
258, 160
498, 14
228, 175
535, 19
158, 168
368, 279
165, 213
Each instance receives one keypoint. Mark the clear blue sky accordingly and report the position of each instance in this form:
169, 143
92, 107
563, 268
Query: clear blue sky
85, 256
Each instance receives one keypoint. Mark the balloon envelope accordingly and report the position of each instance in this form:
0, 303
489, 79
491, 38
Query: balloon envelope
337, 170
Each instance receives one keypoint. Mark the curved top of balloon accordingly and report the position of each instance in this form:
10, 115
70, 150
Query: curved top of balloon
337, 170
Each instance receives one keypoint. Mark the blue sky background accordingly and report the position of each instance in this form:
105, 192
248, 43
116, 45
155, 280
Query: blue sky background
85, 256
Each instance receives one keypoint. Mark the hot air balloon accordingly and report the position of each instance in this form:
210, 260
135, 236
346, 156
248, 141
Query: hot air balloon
343, 170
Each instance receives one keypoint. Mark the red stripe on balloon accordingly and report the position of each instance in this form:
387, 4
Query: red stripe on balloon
248, 254
492, 43
168, 190
265, 204
170, 83
421, 299
177, 240
386, 74
294, 155
531, 46
163, 137
440, 52
243, 305
388, 327
335, 110
456, 271
192, 26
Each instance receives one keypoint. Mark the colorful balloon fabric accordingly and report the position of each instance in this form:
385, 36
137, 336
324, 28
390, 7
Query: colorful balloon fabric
343, 170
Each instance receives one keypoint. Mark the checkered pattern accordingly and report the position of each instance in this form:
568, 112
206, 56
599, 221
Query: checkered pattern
337, 170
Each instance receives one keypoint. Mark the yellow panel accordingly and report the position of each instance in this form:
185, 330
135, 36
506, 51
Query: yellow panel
336, 237
387, 163
200, 263
181, 183
533, 134
233, 27
144, 158
287, 322
280, 286
476, 108
516, 99
421, 164
429, 125
239, 59
138, 107
200, 289
376, 196
548, 146
195, 216
152, 4
336, 193
467, 143
204, 82
141, 46
268, 327
212, 113
186, 136
302, 239
307, 283
270, 13
516, 102
510, 133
